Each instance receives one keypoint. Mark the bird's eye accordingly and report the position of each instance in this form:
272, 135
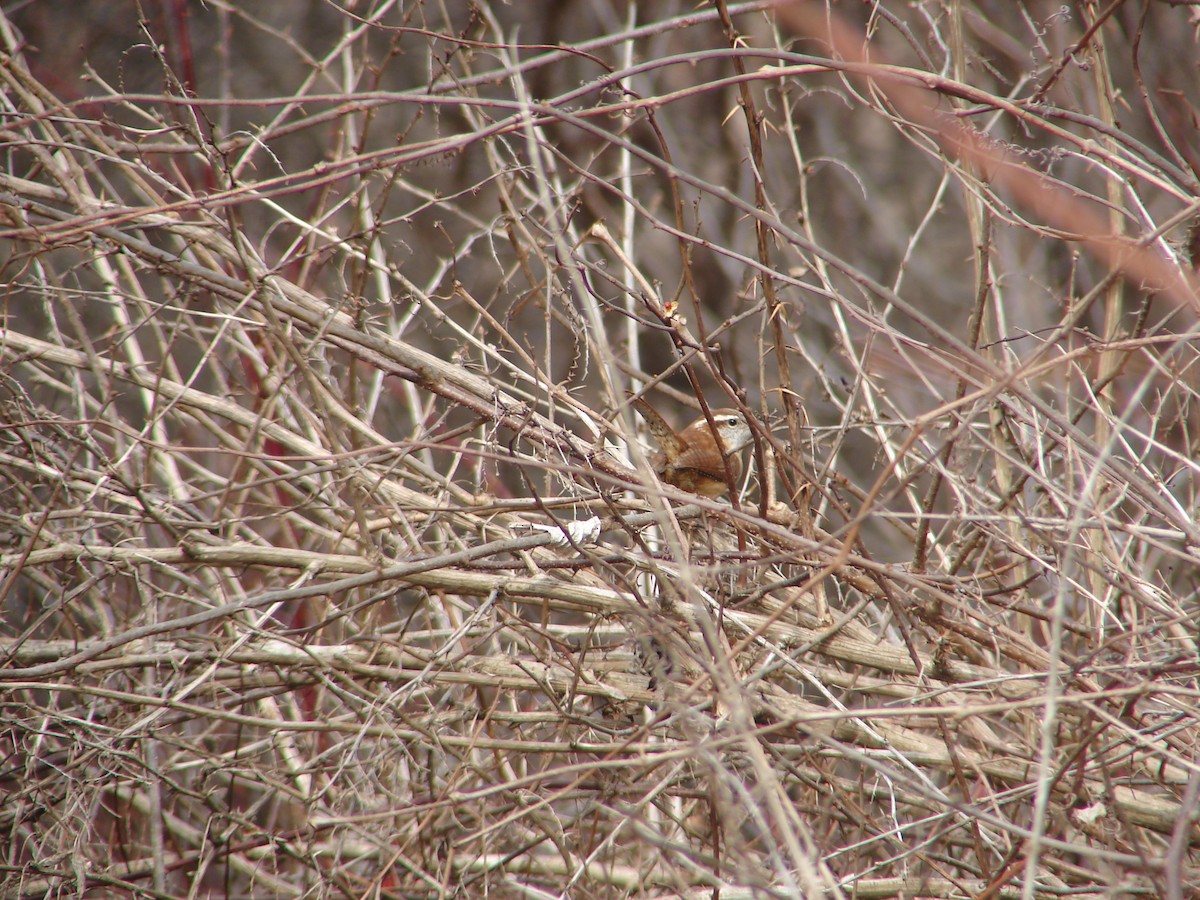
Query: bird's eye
732, 420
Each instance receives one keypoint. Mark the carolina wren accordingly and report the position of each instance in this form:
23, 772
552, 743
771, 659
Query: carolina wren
694, 459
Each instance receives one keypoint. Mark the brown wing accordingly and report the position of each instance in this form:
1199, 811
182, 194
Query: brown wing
692, 460
702, 460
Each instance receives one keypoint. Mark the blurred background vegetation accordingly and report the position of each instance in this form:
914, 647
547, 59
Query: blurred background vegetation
318, 324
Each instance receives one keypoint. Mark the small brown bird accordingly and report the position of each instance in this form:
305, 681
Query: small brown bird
693, 459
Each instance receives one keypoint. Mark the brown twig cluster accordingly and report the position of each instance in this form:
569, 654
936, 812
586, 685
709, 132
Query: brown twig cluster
332, 558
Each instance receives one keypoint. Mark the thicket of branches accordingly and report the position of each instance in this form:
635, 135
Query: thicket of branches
328, 566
